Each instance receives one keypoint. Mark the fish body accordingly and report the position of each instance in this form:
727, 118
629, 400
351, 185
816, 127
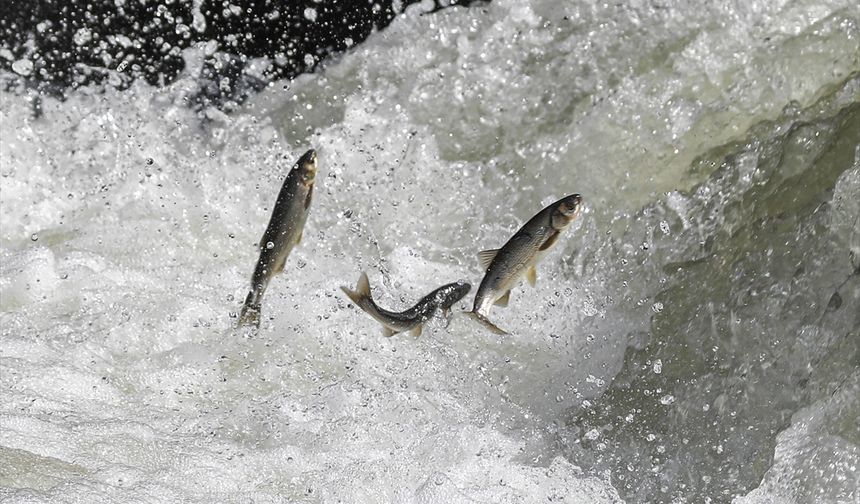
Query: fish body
506, 266
412, 319
283, 233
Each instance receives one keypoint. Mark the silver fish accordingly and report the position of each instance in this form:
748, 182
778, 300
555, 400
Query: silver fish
519, 256
412, 319
284, 232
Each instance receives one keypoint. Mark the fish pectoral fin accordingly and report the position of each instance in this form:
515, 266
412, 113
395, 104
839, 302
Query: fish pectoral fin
309, 197
531, 275
550, 241
388, 332
279, 266
299, 239
485, 257
503, 301
417, 330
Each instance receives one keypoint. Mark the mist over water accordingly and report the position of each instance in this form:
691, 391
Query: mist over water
694, 337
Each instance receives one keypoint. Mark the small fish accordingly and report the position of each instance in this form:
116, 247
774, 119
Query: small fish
412, 319
519, 256
284, 232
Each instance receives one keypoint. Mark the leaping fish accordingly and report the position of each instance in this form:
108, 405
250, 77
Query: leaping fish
519, 256
283, 233
412, 319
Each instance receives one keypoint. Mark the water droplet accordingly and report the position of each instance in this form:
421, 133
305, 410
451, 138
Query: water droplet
23, 67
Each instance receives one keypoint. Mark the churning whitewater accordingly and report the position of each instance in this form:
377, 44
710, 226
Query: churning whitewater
694, 336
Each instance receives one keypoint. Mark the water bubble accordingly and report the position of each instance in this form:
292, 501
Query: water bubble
311, 14
592, 434
667, 399
270, 245
658, 366
657, 307
664, 227
149, 161
34, 237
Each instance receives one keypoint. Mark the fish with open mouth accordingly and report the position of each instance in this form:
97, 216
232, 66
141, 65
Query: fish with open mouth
518, 257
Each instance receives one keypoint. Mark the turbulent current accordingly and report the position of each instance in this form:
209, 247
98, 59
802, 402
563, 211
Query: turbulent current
694, 336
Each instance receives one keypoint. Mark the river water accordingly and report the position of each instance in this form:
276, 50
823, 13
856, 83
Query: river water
694, 337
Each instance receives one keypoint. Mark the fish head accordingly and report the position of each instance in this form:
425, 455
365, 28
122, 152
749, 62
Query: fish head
307, 165
453, 293
566, 211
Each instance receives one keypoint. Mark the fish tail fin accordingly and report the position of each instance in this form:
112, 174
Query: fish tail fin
486, 322
250, 315
361, 294
362, 298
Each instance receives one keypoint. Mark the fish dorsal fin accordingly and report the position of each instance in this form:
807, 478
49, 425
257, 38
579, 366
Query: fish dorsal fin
387, 332
485, 257
417, 330
503, 301
531, 275
550, 241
